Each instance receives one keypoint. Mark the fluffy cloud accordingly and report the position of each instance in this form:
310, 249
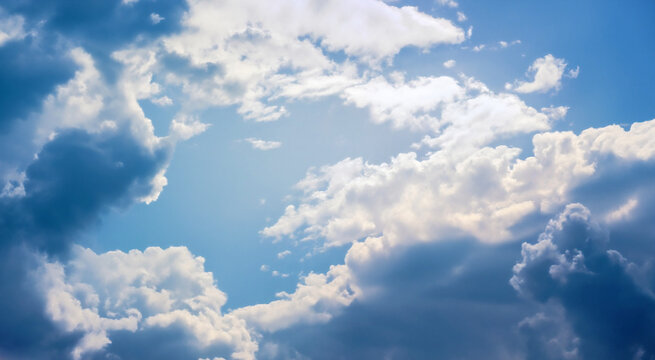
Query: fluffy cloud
483, 193
147, 293
490, 194
547, 72
315, 300
255, 54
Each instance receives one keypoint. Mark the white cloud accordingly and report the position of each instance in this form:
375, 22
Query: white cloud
449, 3
12, 27
409, 200
315, 300
555, 112
139, 291
449, 64
263, 145
156, 18
162, 101
622, 212
481, 193
573, 73
283, 254
405, 104
547, 72
185, 127
461, 17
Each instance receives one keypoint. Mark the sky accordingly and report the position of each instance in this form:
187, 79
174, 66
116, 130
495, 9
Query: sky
335, 179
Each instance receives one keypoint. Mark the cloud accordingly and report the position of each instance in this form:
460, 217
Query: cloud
263, 145
571, 263
547, 72
449, 3
461, 17
152, 294
483, 193
156, 18
463, 112
162, 101
104, 25
573, 73
449, 64
419, 301
259, 54
283, 254
38, 65
315, 300
12, 27
75, 178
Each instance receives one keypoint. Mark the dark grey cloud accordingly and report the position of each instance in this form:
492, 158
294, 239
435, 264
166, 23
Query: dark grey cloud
449, 300
102, 25
170, 343
25, 331
573, 265
31, 69
76, 177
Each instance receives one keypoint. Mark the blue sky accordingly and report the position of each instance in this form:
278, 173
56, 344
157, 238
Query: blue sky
216, 179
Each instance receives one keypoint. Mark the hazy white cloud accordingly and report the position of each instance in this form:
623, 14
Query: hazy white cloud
449, 64
547, 72
256, 45
504, 44
162, 101
573, 73
156, 18
449, 3
461, 17
283, 254
12, 27
263, 145
555, 112
623, 212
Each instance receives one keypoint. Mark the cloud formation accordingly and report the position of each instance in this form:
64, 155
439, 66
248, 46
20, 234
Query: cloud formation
572, 263
547, 72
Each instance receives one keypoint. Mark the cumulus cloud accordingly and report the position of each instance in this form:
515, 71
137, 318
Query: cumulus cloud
263, 145
547, 72
146, 293
413, 198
